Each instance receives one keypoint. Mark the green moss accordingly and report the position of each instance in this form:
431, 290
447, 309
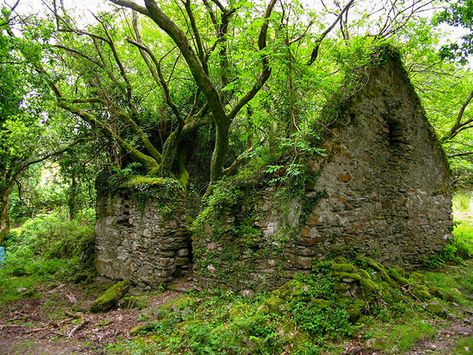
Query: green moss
141, 180
395, 273
367, 263
291, 289
369, 287
355, 310
109, 299
343, 268
348, 276
421, 292
272, 304
436, 308
363, 273
132, 302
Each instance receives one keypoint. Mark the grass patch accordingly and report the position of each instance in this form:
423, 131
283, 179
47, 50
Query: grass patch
47, 248
402, 337
464, 346
463, 232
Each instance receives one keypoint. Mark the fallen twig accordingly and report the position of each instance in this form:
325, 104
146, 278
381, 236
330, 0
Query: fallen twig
77, 327
36, 330
11, 326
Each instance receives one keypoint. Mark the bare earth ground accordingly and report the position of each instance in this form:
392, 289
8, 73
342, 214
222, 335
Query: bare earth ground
51, 322
55, 321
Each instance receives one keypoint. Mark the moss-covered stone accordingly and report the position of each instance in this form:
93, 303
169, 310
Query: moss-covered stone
343, 268
355, 310
369, 287
436, 308
272, 304
291, 289
421, 292
363, 273
396, 274
347, 276
109, 299
132, 302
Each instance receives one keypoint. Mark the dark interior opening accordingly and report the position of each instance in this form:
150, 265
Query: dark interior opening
395, 134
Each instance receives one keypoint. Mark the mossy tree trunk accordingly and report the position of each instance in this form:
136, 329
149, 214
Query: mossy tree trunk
4, 216
220, 150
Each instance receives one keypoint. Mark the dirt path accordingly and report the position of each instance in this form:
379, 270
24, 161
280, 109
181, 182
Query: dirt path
56, 321
447, 339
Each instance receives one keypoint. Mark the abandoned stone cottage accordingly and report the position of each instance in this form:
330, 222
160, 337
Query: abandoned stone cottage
381, 190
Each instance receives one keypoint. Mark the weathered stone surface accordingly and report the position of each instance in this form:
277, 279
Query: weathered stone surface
136, 241
384, 187
109, 299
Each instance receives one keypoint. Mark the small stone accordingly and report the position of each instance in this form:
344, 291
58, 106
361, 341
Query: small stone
344, 177
451, 316
305, 231
247, 293
213, 246
166, 261
182, 261
464, 331
211, 269
303, 263
271, 262
182, 252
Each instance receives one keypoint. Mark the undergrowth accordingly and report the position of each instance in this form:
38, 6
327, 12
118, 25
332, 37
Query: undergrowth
302, 316
458, 249
47, 248
319, 312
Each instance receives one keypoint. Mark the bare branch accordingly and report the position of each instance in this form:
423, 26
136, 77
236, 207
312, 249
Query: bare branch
459, 125
156, 71
266, 71
117, 59
131, 5
198, 41
315, 51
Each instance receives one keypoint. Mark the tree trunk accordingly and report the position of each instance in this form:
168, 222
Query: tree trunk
220, 150
4, 216
72, 198
170, 151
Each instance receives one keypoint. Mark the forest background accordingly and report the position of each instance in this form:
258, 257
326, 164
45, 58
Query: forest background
189, 93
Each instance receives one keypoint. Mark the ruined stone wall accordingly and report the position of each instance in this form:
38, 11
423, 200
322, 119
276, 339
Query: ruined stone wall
382, 191
386, 179
141, 237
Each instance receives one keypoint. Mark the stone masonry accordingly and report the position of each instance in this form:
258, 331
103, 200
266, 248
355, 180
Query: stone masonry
137, 241
382, 191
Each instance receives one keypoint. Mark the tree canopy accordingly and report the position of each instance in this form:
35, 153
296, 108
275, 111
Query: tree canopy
193, 90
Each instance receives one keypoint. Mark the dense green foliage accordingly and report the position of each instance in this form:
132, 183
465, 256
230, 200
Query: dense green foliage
47, 248
253, 86
458, 14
